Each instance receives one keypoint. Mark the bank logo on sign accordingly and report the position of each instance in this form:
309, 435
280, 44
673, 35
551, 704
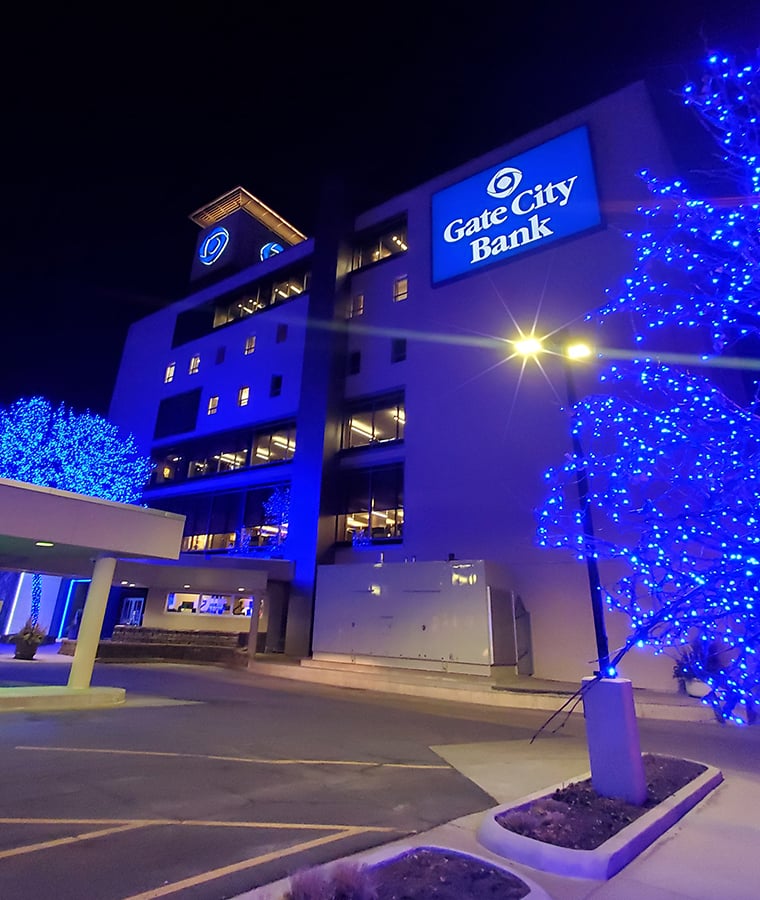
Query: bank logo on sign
521, 204
270, 249
213, 245
504, 182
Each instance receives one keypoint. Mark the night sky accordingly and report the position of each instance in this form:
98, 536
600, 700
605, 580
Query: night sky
117, 128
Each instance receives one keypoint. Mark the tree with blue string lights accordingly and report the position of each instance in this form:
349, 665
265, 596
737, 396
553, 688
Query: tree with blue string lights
80, 452
672, 461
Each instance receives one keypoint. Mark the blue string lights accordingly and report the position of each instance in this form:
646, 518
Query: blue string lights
673, 463
79, 452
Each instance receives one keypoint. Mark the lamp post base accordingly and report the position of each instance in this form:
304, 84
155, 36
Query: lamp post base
612, 734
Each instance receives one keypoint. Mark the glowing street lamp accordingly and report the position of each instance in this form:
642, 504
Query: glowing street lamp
577, 350
612, 734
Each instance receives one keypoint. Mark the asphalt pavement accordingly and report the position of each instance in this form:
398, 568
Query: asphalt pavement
212, 783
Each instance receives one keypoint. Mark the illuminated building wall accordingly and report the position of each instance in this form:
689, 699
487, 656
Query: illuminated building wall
396, 419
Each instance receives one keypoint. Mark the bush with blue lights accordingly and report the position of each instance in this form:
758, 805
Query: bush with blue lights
673, 463
79, 452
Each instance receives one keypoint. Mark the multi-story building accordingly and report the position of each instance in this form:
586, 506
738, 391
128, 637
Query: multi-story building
351, 398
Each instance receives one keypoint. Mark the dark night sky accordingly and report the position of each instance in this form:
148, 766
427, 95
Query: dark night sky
116, 128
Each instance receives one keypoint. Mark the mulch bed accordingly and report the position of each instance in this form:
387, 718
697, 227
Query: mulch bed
576, 816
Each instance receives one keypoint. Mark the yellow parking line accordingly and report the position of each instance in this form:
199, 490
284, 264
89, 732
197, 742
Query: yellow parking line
61, 842
243, 759
196, 823
245, 864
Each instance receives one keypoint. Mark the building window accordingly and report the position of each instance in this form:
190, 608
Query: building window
276, 446
169, 373
380, 243
354, 363
372, 505
282, 333
400, 288
355, 306
195, 364
209, 604
220, 353
374, 423
398, 350
275, 386
250, 344
244, 395
213, 405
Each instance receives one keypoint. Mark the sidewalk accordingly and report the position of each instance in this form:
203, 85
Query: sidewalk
710, 853
517, 692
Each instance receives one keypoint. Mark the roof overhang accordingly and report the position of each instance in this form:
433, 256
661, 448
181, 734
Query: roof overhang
240, 198
60, 533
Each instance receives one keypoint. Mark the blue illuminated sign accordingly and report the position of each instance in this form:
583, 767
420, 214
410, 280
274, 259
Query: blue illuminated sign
214, 244
270, 249
521, 204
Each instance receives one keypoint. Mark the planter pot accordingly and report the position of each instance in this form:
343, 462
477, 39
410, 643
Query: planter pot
696, 688
25, 649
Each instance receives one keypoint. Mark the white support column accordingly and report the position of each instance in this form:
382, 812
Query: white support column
92, 622
612, 732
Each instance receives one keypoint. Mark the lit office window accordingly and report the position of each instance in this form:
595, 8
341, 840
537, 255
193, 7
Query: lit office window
379, 243
169, 373
377, 422
250, 344
400, 288
355, 306
213, 405
195, 364
244, 395
371, 505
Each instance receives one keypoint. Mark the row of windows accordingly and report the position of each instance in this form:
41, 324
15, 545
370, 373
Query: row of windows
226, 454
378, 421
249, 347
260, 297
244, 395
370, 507
243, 520
400, 292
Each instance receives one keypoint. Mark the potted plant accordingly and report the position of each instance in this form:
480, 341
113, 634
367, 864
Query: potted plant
28, 640
696, 661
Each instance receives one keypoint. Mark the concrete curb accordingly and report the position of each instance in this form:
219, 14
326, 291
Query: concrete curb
466, 691
52, 698
614, 854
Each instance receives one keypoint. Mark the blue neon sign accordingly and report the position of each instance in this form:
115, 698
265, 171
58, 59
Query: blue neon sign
270, 249
518, 205
213, 245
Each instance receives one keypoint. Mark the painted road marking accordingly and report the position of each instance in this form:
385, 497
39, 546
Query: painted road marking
367, 764
338, 833
213, 874
61, 842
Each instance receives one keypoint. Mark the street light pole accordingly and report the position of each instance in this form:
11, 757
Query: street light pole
595, 586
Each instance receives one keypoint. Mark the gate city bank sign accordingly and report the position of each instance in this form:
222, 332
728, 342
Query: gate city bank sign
521, 204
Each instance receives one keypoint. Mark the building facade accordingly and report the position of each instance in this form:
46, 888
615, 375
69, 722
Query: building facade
354, 398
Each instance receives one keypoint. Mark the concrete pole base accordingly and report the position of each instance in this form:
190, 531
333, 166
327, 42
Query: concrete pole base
612, 733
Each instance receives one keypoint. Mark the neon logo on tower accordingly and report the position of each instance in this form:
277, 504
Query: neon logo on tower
214, 244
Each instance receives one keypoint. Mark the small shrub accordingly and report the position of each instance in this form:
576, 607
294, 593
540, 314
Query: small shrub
340, 882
